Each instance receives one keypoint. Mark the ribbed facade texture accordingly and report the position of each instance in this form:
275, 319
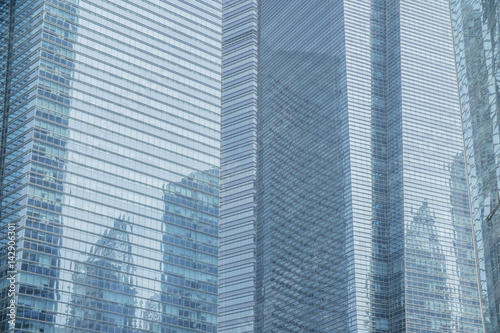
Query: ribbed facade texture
110, 156
303, 260
238, 167
476, 27
362, 220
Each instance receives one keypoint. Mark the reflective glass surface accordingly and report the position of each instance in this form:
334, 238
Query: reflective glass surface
110, 164
302, 187
477, 46
238, 167
362, 220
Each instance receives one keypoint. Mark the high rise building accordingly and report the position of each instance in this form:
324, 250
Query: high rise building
237, 258
110, 148
343, 190
476, 27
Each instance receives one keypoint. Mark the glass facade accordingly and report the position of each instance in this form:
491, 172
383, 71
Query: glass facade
302, 189
477, 46
110, 154
362, 220
238, 167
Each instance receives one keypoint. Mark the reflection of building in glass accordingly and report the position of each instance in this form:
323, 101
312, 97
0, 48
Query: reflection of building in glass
337, 127
102, 103
299, 166
190, 251
34, 150
476, 25
428, 265
464, 253
152, 314
103, 295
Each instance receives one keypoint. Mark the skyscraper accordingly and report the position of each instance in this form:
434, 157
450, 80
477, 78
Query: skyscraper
477, 45
343, 191
109, 164
239, 162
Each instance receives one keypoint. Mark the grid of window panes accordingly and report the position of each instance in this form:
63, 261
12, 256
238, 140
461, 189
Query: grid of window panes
425, 272
363, 221
440, 291
366, 31
111, 147
190, 254
477, 45
303, 240
238, 167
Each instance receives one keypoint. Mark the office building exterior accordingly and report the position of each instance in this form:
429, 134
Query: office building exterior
477, 41
237, 260
344, 193
110, 153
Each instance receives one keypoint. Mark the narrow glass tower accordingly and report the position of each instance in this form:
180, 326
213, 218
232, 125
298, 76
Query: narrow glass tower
477, 44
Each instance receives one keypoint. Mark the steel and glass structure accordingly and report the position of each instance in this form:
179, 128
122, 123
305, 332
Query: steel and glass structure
477, 44
238, 167
110, 148
341, 119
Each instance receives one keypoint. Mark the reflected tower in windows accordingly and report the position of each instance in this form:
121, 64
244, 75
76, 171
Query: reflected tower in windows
102, 104
476, 28
342, 171
190, 252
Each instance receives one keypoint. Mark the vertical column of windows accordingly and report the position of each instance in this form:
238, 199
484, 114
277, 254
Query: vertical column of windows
439, 282
477, 42
302, 187
38, 289
238, 168
190, 243
17, 134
